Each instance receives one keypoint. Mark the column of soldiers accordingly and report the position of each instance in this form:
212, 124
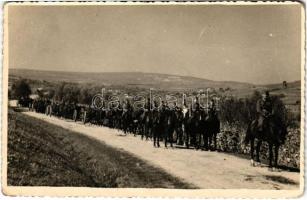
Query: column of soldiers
183, 124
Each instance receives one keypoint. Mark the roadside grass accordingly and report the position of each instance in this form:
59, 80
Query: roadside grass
42, 154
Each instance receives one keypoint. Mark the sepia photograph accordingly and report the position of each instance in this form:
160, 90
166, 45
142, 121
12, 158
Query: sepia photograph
153, 99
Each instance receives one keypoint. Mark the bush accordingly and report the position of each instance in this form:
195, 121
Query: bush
20, 90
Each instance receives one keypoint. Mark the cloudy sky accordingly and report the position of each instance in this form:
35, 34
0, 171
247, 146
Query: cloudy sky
256, 44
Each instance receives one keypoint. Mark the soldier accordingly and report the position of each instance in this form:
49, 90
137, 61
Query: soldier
212, 108
197, 105
148, 104
121, 106
177, 108
185, 109
264, 109
165, 109
128, 106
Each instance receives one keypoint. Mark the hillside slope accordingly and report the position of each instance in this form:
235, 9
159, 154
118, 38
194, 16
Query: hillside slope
133, 79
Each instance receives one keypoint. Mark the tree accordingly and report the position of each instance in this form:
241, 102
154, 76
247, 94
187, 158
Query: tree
71, 93
21, 89
59, 91
50, 93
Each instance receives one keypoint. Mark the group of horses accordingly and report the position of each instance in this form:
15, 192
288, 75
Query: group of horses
196, 128
191, 128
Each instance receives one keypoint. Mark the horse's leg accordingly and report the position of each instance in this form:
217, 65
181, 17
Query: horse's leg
210, 142
165, 137
178, 136
158, 138
194, 138
199, 141
171, 136
146, 131
276, 156
214, 140
270, 155
258, 151
142, 132
180, 131
252, 152
187, 139
206, 141
154, 139
149, 134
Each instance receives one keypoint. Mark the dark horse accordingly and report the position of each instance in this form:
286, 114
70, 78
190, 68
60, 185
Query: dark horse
127, 120
193, 129
211, 127
168, 120
157, 127
147, 122
178, 126
274, 133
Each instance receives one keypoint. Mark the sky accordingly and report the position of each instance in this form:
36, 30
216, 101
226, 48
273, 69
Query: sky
256, 44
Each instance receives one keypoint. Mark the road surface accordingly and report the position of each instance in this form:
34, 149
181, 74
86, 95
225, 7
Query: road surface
208, 170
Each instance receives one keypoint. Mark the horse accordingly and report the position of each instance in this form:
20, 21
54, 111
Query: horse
211, 127
274, 133
127, 121
141, 117
168, 121
178, 125
56, 109
147, 123
193, 128
138, 117
156, 127
186, 126
118, 118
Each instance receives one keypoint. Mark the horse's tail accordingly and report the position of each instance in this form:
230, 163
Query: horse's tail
248, 134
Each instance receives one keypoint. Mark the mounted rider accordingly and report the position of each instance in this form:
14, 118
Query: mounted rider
264, 110
212, 109
177, 108
197, 113
128, 106
164, 106
148, 105
185, 109
165, 110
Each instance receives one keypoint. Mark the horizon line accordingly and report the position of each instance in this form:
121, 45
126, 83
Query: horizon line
190, 76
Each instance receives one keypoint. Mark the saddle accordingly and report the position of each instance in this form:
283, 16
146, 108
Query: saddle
260, 127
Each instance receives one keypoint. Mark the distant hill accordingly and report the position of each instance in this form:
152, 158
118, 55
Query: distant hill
133, 79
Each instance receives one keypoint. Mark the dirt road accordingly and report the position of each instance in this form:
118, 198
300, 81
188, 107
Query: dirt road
212, 170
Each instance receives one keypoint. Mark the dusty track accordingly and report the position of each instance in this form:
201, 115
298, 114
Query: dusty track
212, 170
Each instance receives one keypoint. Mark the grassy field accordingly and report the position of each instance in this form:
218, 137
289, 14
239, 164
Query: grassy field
41, 154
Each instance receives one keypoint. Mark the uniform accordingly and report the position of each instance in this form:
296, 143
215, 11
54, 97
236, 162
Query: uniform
264, 110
